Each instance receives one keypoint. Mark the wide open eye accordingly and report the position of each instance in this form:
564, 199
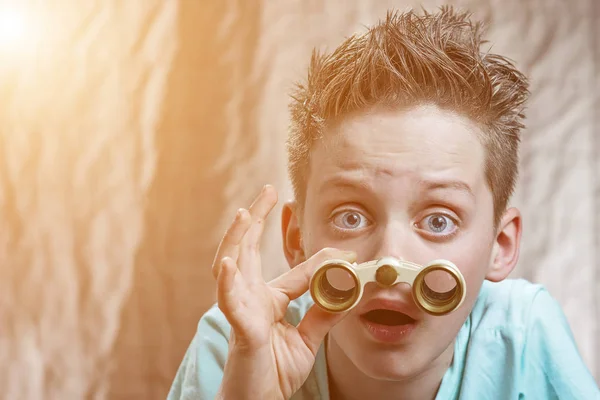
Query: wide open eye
438, 224
350, 220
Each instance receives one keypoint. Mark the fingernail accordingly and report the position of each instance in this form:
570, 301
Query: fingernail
238, 214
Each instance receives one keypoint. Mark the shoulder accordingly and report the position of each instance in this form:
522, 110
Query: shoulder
519, 334
200, 372
214, 321
507, 304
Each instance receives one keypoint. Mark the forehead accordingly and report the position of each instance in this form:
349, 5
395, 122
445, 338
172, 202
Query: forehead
409, 145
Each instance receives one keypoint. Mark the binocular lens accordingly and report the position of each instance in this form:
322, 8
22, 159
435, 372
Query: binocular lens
439, 286
339, 281
438, 290
336, 288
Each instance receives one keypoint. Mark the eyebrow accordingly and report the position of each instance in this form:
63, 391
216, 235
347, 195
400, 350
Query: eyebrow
428, 185
340, 182
452, 185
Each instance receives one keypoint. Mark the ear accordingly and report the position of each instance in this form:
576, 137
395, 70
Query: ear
505, 253
292, 237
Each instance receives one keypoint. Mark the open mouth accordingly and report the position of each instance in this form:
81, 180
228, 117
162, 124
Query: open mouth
387, 317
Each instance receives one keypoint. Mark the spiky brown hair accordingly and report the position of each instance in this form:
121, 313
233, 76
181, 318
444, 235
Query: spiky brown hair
415, 59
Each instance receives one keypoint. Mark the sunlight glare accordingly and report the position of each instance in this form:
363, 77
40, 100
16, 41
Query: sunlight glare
13, 28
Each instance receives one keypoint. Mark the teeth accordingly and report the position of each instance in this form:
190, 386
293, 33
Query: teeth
388, 317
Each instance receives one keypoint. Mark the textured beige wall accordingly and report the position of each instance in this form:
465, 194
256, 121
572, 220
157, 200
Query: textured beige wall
131, 130
81, 97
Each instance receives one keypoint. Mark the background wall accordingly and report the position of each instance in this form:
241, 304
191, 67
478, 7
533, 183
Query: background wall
130, 131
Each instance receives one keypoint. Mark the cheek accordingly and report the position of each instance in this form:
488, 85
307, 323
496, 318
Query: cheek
311, 239
316, 236
473, 264
471, 249
472, 259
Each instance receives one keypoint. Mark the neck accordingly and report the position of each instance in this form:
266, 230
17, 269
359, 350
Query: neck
347, 382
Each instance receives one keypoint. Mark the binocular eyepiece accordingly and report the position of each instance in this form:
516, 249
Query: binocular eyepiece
438, 288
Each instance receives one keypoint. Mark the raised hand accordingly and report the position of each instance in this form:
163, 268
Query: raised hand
268, 357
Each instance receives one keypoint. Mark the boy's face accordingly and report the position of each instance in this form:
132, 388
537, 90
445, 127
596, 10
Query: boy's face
409, 184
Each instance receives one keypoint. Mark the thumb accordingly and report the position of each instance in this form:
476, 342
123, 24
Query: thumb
316, 324
295, 282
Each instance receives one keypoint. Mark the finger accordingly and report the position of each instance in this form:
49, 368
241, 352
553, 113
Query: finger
226, 293
264, 203
249, 258
229, 246
295, 282
316, 324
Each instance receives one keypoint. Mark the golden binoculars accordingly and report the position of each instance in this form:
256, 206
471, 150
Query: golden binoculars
438, 288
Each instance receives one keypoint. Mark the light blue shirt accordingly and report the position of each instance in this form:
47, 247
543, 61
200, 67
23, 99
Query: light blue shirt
515, 344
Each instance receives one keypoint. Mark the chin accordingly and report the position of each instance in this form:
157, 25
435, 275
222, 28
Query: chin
398, 361
391, 365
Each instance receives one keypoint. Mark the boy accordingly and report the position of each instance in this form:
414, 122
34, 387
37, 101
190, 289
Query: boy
403, 143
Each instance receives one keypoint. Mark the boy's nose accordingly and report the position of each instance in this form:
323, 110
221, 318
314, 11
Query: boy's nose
394, 241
